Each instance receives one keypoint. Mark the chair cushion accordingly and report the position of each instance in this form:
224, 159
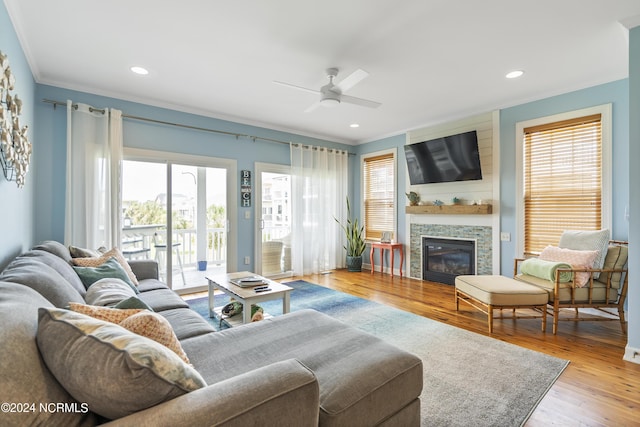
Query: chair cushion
582, 240
581, 294
113, 370
501, 290
616, 259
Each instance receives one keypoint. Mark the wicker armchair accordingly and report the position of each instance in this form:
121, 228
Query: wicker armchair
606, 293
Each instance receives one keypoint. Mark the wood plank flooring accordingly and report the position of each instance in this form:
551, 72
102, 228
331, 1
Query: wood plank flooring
597, 389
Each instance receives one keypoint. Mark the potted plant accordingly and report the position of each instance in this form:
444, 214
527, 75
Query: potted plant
355, 240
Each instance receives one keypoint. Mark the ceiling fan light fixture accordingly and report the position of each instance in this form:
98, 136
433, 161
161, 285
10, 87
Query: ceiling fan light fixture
329, 102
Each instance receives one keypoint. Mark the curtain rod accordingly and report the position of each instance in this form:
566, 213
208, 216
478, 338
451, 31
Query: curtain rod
162, 122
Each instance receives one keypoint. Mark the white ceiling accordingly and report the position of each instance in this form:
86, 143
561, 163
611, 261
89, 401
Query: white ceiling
429, 60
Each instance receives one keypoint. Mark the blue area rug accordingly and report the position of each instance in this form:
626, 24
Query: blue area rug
469, 379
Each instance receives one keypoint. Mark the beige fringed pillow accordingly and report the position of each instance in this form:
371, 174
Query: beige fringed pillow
98, 261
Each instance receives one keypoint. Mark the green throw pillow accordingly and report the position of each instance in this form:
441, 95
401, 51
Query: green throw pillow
110, 269
133, 302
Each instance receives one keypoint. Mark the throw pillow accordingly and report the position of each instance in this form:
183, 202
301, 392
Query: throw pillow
78, 252
127, 372
139, 321
113, 253
577, 259
587, 241
109, 292
133, 302
154, 326
109, 269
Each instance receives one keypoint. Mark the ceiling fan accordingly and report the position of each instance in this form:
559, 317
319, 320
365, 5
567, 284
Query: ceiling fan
332, 94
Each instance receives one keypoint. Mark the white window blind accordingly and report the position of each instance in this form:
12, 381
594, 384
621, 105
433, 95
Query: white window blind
562, 180
379, 195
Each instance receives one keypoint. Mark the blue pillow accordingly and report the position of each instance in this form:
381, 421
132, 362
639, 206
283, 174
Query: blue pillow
110, 269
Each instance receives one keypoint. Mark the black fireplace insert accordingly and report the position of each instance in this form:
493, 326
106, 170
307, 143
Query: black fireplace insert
444, 259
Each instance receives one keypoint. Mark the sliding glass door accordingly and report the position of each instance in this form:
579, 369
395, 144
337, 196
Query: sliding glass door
273, 205
176, 213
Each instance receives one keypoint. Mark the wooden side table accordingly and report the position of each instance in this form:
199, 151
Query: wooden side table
384, 246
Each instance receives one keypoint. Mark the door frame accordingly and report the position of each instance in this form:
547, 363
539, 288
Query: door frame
259, 168
230, 165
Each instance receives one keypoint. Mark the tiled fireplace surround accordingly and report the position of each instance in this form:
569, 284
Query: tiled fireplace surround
481, 234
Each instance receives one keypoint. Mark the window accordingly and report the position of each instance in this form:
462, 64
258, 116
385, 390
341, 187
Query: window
563, 178
379, 189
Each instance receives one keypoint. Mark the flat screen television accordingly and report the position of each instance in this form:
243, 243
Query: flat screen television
448, 159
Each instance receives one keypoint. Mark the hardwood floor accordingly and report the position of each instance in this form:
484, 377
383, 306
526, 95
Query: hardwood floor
597, 389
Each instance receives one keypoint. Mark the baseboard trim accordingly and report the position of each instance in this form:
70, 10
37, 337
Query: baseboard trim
631, 354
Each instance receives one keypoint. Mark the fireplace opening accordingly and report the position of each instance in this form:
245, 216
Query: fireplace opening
444, 259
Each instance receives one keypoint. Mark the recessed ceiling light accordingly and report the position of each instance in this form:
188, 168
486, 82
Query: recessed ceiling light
354, 125
514, 74
140, 70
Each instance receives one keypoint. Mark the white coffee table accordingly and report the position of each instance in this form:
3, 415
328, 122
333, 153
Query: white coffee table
247, 296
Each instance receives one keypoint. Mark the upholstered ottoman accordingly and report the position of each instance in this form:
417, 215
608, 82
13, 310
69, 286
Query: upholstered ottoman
487, 293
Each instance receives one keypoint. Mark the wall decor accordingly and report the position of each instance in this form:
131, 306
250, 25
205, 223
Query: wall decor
15, 148
245, 188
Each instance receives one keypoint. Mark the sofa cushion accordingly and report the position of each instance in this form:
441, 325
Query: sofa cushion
25, 377
162, 299
114, 371
42, 278
108, 291
111, 268
187, 323
102, 259
56, 248
138, 321
381, 377
583, 240
58, 264
78, 252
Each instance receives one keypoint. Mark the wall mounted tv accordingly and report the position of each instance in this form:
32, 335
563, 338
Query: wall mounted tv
447, 159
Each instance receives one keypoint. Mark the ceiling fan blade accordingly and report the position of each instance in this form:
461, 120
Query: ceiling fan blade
296, 87
312, 107
359, 101
352, 79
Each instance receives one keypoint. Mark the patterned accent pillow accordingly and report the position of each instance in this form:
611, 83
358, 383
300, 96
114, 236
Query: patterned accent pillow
114, 371
111, 269
98, 261
108, 314
139, 321
581, 240
577, 259
154, 326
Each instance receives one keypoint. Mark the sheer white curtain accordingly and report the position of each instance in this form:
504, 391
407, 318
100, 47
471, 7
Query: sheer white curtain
94, 158
319, 191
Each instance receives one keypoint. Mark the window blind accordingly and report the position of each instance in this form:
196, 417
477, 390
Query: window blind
379, 195
562, 180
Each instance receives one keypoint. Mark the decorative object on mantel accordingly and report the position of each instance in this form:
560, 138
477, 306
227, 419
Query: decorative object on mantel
456, 201
438, 202
414, 198
15, 148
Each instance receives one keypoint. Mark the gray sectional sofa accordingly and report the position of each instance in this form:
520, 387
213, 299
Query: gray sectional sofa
299, 369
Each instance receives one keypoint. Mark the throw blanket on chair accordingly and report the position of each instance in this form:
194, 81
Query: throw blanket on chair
546, 269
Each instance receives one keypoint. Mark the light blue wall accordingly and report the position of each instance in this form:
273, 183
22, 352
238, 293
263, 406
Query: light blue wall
51, 131
616, 93
634, 196
16, 214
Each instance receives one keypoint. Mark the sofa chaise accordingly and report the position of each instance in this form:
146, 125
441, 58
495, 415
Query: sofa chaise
63, 367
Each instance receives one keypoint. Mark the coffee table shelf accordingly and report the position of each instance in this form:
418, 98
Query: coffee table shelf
247, 296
